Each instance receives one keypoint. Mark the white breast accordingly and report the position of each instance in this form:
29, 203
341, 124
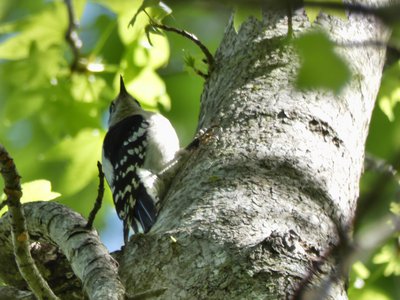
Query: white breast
163, 143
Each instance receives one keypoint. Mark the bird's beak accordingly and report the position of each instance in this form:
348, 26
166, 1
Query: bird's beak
122, 89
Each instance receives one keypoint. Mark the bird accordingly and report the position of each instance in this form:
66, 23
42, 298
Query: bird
138, 145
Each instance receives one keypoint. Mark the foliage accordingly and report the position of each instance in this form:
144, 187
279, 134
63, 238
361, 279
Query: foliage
53, 119
389, 94
317, 55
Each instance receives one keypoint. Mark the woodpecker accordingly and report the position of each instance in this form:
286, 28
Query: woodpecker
138, 146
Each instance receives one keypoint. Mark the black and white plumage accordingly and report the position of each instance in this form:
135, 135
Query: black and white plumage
138, 145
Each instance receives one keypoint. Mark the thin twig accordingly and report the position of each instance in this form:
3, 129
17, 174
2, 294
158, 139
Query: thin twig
199, 72
190, 36
72, 36
19, 232
99, 199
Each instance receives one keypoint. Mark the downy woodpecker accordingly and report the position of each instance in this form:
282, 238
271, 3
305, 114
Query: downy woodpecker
138, 146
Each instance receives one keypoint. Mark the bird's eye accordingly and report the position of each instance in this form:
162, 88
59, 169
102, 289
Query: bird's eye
112, 107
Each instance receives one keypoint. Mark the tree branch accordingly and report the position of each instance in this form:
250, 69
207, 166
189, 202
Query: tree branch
190, 36
72, 36
99, 199
19, 232
193, 38
54, 223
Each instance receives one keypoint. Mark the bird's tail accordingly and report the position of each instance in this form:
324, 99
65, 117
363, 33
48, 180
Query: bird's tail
145, 212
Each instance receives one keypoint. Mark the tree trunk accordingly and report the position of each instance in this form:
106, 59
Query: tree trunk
259, 207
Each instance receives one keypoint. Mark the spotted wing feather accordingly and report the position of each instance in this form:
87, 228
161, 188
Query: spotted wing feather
125, 148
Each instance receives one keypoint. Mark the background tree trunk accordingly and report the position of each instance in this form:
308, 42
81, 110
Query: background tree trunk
263, 200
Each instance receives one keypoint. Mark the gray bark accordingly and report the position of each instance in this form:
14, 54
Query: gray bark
64, 248
263, 200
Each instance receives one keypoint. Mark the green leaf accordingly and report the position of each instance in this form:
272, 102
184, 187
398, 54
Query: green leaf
158, 10
157, 55
146, 45
189, 59
389, 92
71, 103
371, 293
78, 157
149, 88
388, 256
79, 7
313, 12
242, 13
395, 208
138, 66
36, 190
152, 29
320, 66
36, 69
46, 28
361, 270
21, 105
120, 7
86, 89
129, 34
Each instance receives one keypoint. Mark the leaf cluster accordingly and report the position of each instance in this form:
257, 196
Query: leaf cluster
54, 117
